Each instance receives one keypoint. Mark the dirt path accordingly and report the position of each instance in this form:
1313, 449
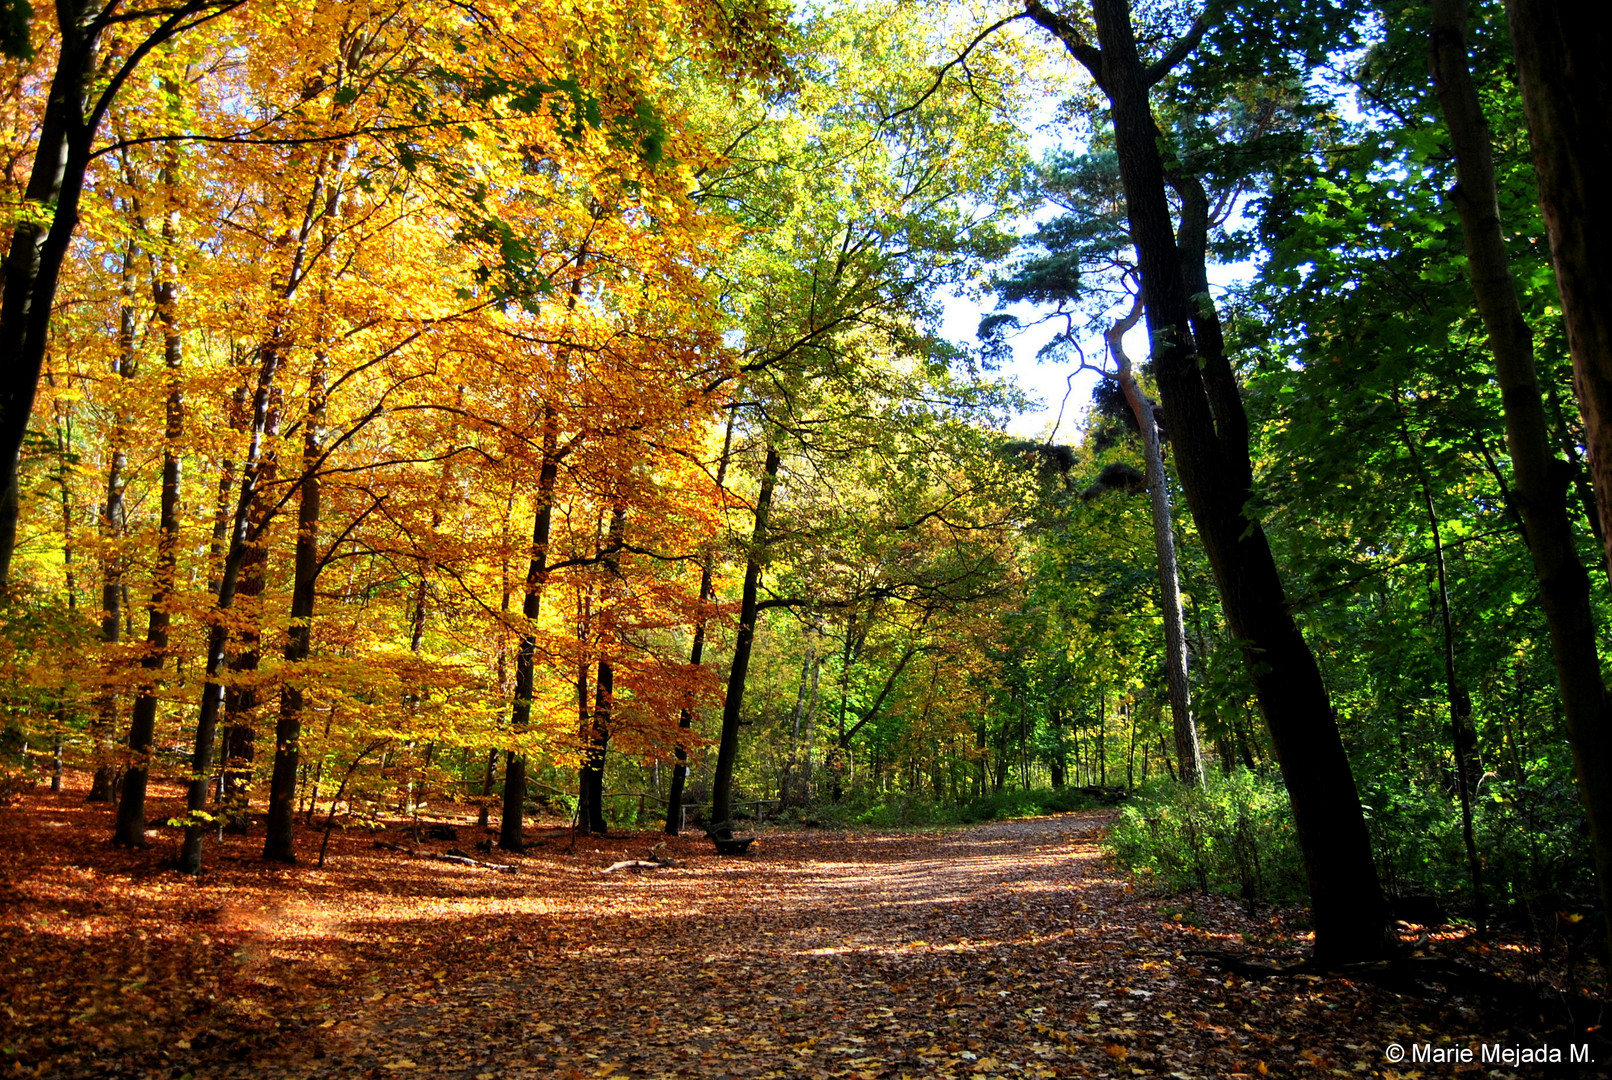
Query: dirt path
1001, 950
819, 956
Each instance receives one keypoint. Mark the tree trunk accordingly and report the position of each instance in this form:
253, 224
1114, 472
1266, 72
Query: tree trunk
131, 818
1058, 766
34, 260
241, 697
1541, 478
728, 746
785, 790
1208, 430
596, 725
114, 525
242, 536
510, 820
228, 581
279, 842
1187, 750
696, 653
1561, 52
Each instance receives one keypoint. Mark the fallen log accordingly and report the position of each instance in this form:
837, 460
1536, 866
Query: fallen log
654, 861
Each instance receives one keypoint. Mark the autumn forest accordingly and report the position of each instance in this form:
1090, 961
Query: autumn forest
443, 439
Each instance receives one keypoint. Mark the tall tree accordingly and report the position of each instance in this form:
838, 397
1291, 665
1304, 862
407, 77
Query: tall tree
1540, 489
1208, 428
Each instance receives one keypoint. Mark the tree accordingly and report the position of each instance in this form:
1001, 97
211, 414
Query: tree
1541, 488
1209, 431
81, 96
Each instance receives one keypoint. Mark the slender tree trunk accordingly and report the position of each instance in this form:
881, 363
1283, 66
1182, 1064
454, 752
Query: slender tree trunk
511, 817
785, 790
64, 441
1187, 750
242, 536
228, 581
728, 746
131, 817
1209, 433
114, 522
811, 731
1058, 766
1463, 740
696, 652
279, 842
596, 726
241, 696
1540, 476
1101, 746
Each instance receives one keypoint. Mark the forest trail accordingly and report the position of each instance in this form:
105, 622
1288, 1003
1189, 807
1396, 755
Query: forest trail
1008, 949
833, 956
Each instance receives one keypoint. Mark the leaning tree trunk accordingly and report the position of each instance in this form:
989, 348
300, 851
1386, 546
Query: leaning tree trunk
728, 747
1540, 489
509, 825
71, 120
1208, 430
1187, 752
131, 818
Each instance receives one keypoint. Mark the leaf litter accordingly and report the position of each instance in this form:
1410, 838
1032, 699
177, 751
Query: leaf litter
1005, 950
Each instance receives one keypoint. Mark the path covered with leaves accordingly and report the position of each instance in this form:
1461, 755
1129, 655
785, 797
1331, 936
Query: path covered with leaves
1004, 950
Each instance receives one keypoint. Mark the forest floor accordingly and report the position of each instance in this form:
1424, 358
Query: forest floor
1003, 950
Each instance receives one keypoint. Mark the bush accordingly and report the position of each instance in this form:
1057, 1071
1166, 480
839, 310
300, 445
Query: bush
1235, 837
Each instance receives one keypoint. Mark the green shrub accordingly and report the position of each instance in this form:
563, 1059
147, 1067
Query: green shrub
1235, 837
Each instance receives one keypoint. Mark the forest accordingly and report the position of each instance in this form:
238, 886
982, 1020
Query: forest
523, 413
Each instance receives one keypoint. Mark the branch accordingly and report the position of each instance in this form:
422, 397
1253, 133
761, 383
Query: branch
1090, 57
1183, 46
940, 75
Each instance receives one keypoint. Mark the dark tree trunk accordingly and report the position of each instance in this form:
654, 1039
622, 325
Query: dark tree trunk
1540, 491
510, 820
33, 262
131, 818
1208, 430
728, 746
242, 536
279, 843
218, 636
1561, 54
1058, 766
241, 697
596, 724
696, 654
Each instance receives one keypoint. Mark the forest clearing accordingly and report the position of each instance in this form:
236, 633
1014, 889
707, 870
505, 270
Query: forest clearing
998, 950
425, 422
